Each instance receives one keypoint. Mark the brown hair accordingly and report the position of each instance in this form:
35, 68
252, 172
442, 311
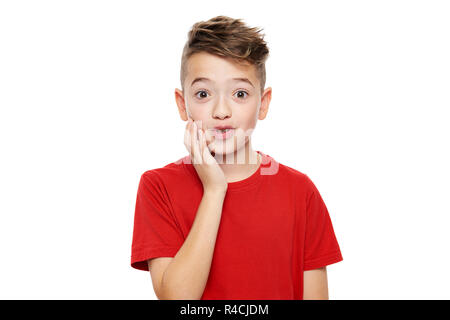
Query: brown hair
229, 38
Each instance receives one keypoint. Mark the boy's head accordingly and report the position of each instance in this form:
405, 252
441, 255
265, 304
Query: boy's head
219, 51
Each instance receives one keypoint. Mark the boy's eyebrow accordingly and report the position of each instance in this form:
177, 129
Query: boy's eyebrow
207, 79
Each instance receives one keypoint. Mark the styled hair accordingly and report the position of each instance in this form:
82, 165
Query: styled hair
229, 38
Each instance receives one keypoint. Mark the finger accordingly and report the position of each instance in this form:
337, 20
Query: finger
195, 145
187, 139
205, 151
211, 144
203, 147
209, 137
207, 157
200, 141
191, 142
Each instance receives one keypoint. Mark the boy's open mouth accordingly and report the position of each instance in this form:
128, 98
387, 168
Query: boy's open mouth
223, 134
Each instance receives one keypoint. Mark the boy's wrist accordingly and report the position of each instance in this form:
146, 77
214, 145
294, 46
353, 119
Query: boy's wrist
215, 191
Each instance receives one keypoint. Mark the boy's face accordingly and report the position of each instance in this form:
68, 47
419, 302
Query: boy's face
222, 100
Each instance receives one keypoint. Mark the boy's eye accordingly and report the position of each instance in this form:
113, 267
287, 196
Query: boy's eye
204, 94
243, 92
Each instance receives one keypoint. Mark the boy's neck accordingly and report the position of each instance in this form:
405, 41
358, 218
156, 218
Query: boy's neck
245, 162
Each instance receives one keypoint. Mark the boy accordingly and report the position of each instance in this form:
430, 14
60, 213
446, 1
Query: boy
209, 227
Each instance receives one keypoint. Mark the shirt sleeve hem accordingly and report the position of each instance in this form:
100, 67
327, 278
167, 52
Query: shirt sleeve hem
140, 257
323, 261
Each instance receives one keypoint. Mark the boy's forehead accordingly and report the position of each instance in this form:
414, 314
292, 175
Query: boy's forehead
204, 65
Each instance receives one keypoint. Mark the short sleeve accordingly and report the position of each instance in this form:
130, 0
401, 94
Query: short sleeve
321, 247
156, 232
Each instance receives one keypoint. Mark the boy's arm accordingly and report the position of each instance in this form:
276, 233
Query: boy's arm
186, 275
315, 284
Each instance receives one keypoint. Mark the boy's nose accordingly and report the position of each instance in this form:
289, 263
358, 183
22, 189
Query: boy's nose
221, 110
221, 114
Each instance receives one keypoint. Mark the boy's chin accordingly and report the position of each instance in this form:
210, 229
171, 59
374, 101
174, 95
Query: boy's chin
222, 152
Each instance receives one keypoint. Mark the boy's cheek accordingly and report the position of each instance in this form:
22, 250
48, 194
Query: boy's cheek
209, 137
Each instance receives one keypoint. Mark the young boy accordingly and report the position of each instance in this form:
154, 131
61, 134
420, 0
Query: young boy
228, 222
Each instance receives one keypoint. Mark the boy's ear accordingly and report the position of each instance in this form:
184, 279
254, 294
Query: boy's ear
179, 99
265, 101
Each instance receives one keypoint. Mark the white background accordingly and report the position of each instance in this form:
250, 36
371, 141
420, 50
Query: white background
360, 103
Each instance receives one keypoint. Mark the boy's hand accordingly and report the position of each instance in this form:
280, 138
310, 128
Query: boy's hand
205, 164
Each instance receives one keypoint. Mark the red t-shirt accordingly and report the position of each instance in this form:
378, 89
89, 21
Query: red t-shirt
274, 225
